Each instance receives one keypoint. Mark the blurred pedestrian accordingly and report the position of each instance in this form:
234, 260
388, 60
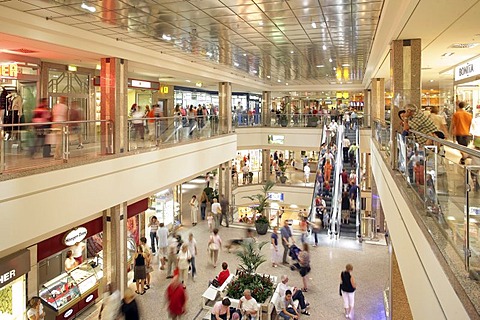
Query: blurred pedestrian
192, 247
59, 114
129, 306
110, 308
214, 246
217, 212
225, 205
162, 234
183, 262
274, 246
175, 299
41, 114
194, 209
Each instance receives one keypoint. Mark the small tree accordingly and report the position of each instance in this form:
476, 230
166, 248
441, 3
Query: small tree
251, 256
262, 198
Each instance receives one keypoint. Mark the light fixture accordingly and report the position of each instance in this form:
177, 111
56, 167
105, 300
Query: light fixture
268, 77
209, 54
292, 51
260, 23
244, 54
324, 47
254, 71
236, 64
330, 60
199, 84
286, 83
320, 66
279, 80
345, 65
85, 6
166, 37
314, 25
98, 67
188, 81
432, 80
334, 68
448, 54
72, 68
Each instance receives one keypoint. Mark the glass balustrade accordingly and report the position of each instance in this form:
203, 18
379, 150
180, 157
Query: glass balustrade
278, 120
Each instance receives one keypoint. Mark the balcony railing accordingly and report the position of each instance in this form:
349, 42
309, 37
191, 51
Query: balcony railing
277, 120
450, 196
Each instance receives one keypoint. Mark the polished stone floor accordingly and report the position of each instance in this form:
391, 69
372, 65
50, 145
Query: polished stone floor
328, 260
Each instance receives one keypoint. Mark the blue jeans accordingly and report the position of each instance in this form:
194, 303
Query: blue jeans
194, 269
286, 316
203, 208
153, 238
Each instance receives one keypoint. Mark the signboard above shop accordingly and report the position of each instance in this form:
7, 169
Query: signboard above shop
14, 266
9, 70
143, 84
74, 236
467, 70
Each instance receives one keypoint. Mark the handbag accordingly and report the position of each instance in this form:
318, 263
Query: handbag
213, 246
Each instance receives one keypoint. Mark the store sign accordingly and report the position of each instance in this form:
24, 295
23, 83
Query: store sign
276, 139
9, 70
68, 313
141, 84
74, 236
164, 90
467, 70
13, 267
274, 196
89, 298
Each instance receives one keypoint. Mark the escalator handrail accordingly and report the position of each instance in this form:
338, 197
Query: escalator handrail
336, 195
312, 210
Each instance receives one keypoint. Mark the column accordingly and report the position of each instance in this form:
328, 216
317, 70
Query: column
378, 99
225, 107
225, 181
405, 73
266, 107
115, 246
113, 87
367, 107
265, 165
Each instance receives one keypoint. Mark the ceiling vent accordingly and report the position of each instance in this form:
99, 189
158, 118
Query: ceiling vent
463, 45
23, 50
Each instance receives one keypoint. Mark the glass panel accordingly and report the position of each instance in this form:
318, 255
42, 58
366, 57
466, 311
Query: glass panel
473, 206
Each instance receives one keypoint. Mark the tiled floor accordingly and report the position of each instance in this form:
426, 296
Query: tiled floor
328, 260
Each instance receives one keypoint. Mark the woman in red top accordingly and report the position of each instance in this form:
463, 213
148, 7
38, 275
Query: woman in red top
176, 298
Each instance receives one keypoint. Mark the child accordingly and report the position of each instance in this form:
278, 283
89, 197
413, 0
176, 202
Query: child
210, 221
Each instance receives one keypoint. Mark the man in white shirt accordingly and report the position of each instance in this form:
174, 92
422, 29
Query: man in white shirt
162, 234
217, 212
306, 172
297, 294
346, 146
245, 172
248, 305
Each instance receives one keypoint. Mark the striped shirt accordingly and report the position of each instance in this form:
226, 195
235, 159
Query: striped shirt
419, 122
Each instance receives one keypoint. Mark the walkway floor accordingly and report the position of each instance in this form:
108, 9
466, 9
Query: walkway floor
370, 263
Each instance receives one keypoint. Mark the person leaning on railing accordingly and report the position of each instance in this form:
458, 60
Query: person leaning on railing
419, 122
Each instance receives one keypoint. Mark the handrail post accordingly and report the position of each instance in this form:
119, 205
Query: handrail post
65, 142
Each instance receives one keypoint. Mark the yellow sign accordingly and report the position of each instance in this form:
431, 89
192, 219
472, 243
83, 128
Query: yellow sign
164, 90
9, 70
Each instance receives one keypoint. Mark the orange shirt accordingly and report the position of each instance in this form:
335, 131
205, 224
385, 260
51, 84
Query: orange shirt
461, 122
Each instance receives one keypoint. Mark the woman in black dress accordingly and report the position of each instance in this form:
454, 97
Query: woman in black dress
140, 270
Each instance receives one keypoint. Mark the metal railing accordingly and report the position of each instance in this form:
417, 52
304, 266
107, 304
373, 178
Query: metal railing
449, 193
337, 187
290, 120
57, 141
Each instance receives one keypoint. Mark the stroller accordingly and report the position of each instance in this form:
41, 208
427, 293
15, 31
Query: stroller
293, 253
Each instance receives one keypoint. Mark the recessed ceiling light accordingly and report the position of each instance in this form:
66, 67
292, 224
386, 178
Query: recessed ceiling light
314, 25
268, 77
324, 47
244, 54
320, 66
330, 60
334, 68
279, 80
166, 37
260, 23
286, 83
236, 64
292, 51
254, 71
209, 54
448, 54
85, 6
345, 65
432, 80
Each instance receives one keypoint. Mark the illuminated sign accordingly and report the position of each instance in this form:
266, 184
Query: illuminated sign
9, 70
74, 236
276, 139
164, 90
274, 196
467, 70
89, 298
141, 84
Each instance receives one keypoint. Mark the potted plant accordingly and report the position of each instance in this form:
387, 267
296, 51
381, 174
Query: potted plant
283, 116
261, 221
261, 286
283, 178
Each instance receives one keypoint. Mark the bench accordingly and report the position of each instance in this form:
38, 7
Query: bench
211, 292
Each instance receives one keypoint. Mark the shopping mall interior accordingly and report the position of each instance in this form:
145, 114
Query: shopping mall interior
287, 111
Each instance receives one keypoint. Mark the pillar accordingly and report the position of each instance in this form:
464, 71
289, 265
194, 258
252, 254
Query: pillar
265, 165
405, 73
115, 247
266, 107
225, 180
113, 105
225, 107
367, 107
378, 99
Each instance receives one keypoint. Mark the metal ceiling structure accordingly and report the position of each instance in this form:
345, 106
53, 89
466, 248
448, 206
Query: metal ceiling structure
301, 42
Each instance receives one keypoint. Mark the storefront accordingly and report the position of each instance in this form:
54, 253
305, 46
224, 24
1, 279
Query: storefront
246, 107
135, 231
19, 84
165, 205
467, 85
66, 293
13, 269
253, 158
186, 97
143, 93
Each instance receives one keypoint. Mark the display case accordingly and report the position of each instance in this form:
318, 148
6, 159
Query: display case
70, 292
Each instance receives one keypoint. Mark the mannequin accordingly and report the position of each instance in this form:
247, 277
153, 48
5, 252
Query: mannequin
3, 104
16, 111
